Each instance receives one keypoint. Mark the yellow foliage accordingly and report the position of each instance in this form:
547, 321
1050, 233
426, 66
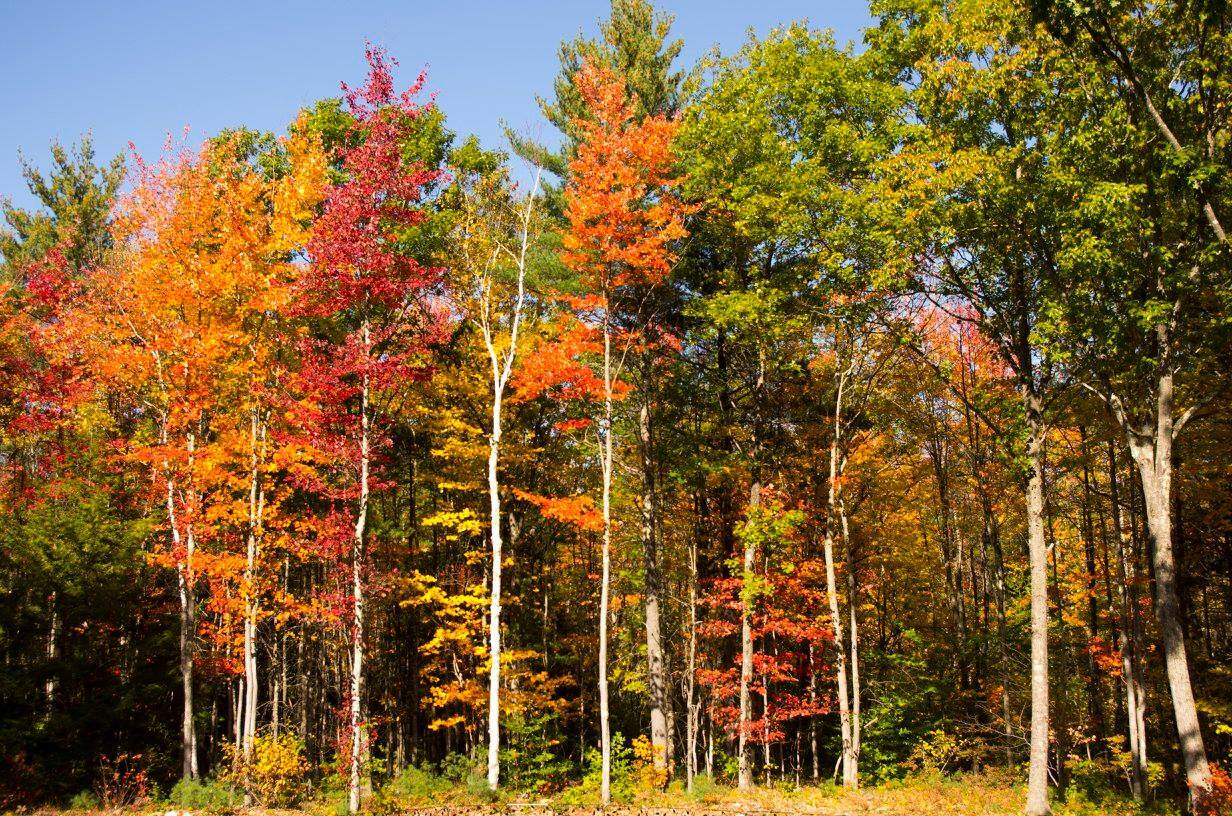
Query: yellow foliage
276, 775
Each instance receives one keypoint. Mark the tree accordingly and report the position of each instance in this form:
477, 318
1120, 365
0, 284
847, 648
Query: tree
784, 593
782, 148
633, 43
175, 352
77, 194
494, 234
988, 230
361, 278
1146, 262
624, 219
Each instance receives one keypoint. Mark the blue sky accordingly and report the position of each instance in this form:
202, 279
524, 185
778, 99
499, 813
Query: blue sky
131, 70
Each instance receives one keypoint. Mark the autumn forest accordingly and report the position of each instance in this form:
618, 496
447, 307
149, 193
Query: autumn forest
813, 420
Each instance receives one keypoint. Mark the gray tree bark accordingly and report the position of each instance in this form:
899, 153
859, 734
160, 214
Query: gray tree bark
655, 664
1129, 637
1037, 781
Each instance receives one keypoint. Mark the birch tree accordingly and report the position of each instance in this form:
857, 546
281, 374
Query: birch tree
494, 241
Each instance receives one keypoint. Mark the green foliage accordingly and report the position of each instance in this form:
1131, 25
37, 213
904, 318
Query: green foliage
633, 41
940, 752
85, 800
256, 148
528, 760
705, 787
328, 120
459, 768
204, 794
76, 195
417, 783
623, 787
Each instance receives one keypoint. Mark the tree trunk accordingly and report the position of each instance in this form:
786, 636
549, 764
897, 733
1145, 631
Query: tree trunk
1128, 640
1037, 782
1095, 708
502, 367
605, 738
692, 707
494, 606
53, 650
840, 658
836, 621
185, 580
256, 507
813, 720
1154, 462
188, 626
851, 774
357, 593
655, 663
745, 779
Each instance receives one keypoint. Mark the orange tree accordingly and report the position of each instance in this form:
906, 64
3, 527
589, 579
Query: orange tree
165, 327
624, 222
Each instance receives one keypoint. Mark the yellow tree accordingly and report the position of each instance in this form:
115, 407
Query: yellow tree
495, 234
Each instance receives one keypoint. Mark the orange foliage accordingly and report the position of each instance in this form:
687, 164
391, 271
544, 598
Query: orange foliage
577, 511
177, 325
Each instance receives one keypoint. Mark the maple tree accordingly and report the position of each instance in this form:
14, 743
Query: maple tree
203, 242
377, 297
784, 600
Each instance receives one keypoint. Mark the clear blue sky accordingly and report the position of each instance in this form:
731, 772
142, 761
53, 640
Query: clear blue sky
135, 71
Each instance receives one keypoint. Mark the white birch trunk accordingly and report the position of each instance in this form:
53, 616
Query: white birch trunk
502, 368
606, 456
357, 591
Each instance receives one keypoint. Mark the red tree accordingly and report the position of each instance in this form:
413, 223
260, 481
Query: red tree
368, 306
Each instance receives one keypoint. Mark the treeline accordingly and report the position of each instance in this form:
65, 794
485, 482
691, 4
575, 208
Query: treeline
812, 412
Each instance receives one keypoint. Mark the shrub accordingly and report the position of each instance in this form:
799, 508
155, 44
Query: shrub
86, 800
458, 767
1219, 799
276, 775
415, 784
528, 761
705, 787
939, 753
1094, 777
203, 794
648, 776
122, 782
587, 792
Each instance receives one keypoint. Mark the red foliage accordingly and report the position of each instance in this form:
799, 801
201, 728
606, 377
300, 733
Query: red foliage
366, 318
354, 260
790, 636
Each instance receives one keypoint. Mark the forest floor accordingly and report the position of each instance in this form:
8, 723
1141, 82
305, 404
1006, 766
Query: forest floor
964, 795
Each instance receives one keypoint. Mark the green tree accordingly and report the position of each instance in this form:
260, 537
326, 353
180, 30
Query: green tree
633, 42
75, 196
979, 211
1145, 263
782, 149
